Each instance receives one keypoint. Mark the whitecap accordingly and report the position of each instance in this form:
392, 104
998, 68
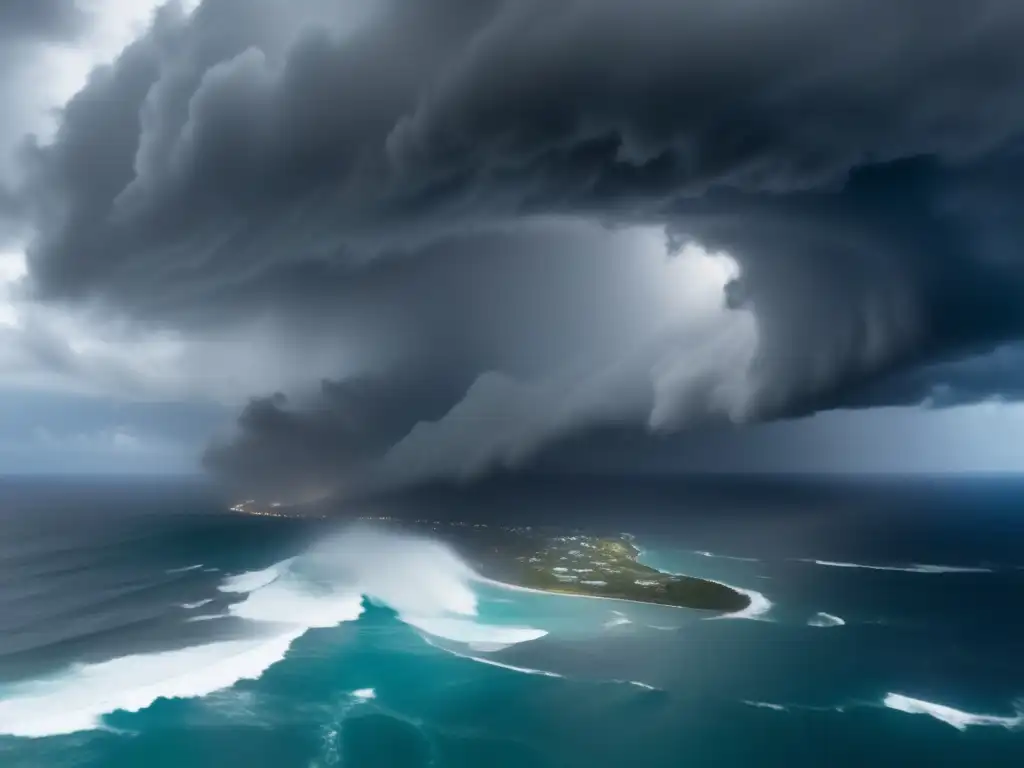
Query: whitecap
954, 717
765, 705
364, 694
480, 637
822, 619
250, 581
185, 569
912, 568
759, 604
77, 699
207, 617
726, 557
524, 670
618, 619
291, 600
198, 604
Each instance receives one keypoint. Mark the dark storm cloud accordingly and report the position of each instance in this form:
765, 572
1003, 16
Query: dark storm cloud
305, 452
859, 158
224, 144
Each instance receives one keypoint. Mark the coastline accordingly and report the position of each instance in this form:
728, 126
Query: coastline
719, 614
758, 606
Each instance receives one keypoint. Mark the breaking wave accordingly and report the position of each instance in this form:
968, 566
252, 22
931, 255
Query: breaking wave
253, 580
822, 619
726, 557
423, 581
185, 569
618, 619
912, 568
197, 604
954, 717
765, 705
77, 699
756, 610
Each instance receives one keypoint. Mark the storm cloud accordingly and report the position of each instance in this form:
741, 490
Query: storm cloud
856, 161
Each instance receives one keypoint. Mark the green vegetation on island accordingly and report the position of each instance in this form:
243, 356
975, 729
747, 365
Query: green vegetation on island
608, 567
579, 564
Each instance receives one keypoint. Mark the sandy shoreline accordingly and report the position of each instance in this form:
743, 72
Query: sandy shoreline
517, 588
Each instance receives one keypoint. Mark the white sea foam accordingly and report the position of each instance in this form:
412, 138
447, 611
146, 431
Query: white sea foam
288, 600
481, 637
618, 619
253, 580
822, 619
77, 699
364, 694
207, 617
765, 705
954, 717
759, 604
912, 568
198, 604
424, 581
725, 557
185, 569
524, 670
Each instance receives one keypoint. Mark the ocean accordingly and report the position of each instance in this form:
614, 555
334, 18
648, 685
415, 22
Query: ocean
141, 624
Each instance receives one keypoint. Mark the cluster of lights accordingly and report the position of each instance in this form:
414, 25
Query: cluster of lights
250, 507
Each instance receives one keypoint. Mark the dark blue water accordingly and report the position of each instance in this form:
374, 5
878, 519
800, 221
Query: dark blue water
141, 625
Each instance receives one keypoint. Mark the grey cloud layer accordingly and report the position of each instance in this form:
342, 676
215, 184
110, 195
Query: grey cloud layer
859, 158
33, 19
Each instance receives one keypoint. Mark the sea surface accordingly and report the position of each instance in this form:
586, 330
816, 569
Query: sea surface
143, 625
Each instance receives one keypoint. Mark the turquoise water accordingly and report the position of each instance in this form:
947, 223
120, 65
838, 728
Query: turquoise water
294, 666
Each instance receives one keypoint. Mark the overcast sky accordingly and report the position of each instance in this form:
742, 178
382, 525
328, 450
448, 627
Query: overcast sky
307, 245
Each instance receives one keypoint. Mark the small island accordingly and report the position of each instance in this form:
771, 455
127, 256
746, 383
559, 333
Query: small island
608, 567
581, 564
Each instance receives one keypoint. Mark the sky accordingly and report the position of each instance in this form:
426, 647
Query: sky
314, 246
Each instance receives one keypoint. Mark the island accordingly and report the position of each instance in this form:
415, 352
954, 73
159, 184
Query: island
580, 564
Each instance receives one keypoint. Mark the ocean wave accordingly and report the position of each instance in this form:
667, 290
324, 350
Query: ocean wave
523, 670
364, 694
757, 609
954, 717
479, 637
197, 604
725, 557
822, 619
617, 620
911, 568
765, 705
250, 581
185, 569
77, 699
423, 581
